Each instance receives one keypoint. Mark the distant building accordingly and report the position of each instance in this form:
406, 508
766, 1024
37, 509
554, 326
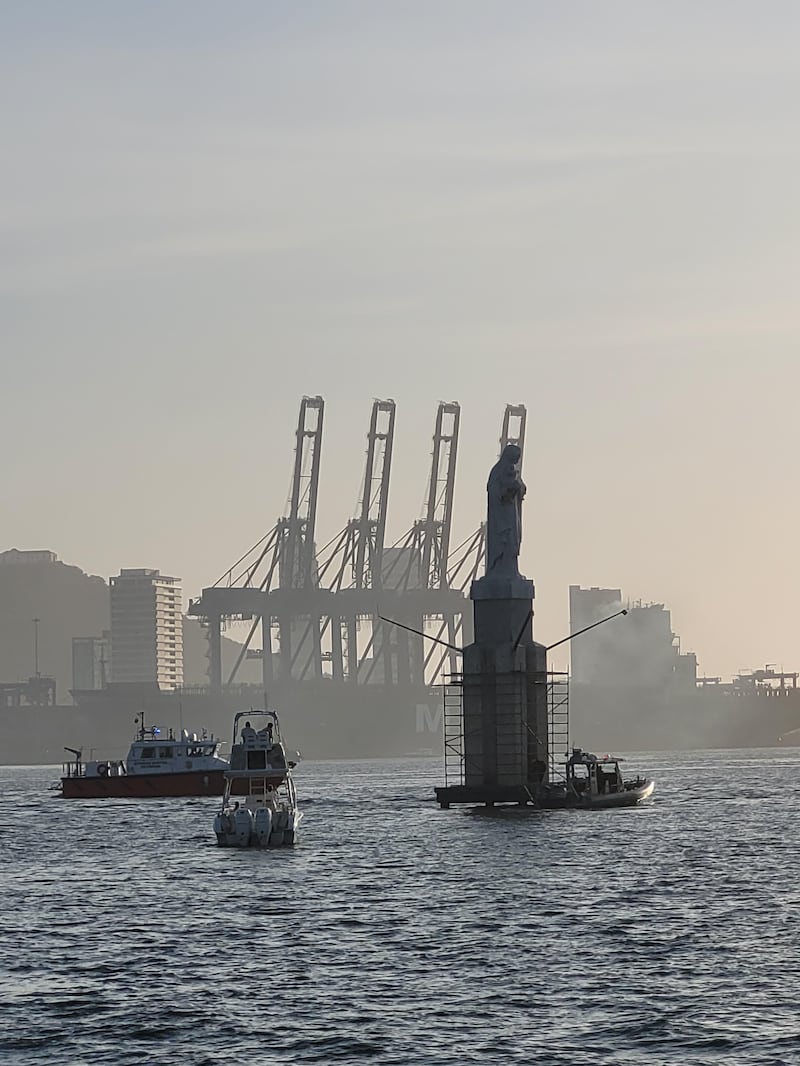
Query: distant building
91, 662
638, 650
587, 652
15, 557
146, 629
35, 692
401, 568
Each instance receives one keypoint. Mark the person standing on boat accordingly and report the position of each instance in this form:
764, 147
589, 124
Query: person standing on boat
266, 733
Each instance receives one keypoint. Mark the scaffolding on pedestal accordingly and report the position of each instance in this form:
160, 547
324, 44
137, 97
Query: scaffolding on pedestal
456, 768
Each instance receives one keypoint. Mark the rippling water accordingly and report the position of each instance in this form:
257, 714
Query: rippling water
396, 933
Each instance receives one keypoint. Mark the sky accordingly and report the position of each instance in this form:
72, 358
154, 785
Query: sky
209, 210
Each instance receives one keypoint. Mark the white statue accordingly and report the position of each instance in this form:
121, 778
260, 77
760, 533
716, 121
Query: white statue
506, 491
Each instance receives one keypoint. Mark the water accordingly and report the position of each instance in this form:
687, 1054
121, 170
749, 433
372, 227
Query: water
396, 933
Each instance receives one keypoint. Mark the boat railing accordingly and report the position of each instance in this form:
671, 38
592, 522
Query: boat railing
99, 768
274, 791
73, 767
268, 773
257, 713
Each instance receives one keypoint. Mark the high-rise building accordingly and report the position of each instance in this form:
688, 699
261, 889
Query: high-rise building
146, 629
91, 662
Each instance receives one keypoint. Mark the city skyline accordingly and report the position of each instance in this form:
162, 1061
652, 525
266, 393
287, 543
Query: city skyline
588, 209
237, 631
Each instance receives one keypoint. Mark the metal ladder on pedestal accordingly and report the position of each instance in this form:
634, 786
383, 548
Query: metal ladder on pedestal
557, 725
453, 696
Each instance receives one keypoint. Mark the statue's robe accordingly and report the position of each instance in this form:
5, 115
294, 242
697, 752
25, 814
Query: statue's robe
505, 491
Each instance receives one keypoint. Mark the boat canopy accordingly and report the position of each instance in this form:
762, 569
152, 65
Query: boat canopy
586, 758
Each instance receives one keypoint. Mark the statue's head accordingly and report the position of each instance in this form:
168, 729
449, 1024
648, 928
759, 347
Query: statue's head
511, 454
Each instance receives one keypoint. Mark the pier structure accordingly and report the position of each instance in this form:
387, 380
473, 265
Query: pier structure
318, 614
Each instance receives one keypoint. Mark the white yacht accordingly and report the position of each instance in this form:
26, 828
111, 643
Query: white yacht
264, 812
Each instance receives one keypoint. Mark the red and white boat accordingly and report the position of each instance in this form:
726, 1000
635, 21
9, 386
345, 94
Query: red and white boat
156, 766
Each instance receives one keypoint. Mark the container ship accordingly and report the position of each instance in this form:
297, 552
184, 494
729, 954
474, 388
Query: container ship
322, 719
632, 688
329, 721
756, 709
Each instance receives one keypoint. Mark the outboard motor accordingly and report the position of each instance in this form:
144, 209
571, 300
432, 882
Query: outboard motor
279, 824
263, 825
242, 827
223, 827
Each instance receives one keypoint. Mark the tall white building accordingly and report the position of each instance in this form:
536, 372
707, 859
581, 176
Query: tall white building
146, 629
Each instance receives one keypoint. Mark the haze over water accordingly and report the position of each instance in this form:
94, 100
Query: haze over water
396, 933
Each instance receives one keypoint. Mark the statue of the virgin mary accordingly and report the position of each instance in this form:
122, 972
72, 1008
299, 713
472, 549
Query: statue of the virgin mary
505, 491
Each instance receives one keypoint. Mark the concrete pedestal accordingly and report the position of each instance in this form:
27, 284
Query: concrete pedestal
503, 611
505, 720
505, 715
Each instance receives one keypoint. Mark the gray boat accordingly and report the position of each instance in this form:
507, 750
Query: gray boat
598, 783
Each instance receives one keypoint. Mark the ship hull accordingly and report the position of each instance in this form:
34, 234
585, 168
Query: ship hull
630, 718
330, 720
142, 786
327, 720
627, 798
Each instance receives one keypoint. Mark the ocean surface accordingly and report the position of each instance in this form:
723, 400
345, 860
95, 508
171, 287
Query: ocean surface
397, 933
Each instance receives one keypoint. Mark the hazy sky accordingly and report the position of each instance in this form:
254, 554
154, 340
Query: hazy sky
209, 209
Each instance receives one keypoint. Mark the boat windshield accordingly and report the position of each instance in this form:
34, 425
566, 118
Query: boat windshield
154, 752
196, 750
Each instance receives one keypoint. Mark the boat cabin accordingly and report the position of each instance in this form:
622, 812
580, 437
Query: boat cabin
150, 753
587, 774
259, 769
257, 749
154, 754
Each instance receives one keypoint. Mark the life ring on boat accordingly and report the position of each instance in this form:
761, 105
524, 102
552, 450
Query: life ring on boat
102, 769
